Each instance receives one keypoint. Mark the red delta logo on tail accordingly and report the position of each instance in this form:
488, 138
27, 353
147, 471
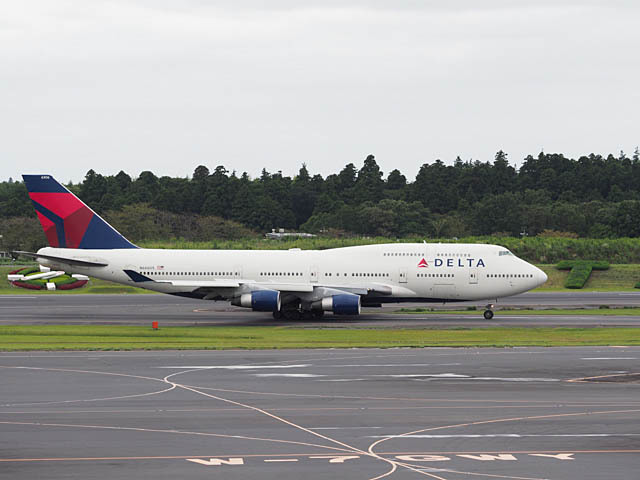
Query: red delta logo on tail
66, 221
423, 263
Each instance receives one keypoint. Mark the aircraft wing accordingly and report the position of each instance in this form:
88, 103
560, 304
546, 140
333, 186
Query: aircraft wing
223, 283
302, 290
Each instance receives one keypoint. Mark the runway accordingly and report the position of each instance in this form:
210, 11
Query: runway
521, 413
170, 310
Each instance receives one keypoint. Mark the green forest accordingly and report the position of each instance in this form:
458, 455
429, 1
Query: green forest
593, 196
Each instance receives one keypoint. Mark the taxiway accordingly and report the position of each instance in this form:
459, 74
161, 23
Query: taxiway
169, 310
521, 413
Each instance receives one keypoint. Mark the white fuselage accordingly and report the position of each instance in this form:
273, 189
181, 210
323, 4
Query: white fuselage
403, 271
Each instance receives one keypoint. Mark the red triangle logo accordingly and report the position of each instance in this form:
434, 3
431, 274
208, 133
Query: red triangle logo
423, 264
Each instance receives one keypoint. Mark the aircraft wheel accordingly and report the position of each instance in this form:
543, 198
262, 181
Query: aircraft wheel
292, 315
277, 314
488, 314
318, 314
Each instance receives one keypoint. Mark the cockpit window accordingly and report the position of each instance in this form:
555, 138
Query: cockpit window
504, 252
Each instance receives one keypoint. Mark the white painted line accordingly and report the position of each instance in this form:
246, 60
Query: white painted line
288, 375
517, 379
280, 459
340, 428
236, 367
342, 380
609, 358
457, 376
510, 435
417, 375
401, 365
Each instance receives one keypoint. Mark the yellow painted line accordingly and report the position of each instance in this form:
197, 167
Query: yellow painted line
260, 455
522, 452
588, 379
318, 409
157, 457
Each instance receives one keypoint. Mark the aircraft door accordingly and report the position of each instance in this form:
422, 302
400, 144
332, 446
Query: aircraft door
403, 275
313, 273
473, 276
237, 271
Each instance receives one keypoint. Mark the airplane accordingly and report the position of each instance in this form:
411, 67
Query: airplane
292, 284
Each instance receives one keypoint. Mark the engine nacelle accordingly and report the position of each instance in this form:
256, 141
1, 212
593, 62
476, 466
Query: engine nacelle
259, 300
342, 304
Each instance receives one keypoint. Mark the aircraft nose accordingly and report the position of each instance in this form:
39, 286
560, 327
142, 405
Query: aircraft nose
540, 276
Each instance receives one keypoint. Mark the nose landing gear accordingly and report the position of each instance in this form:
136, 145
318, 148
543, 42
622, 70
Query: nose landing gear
488, 313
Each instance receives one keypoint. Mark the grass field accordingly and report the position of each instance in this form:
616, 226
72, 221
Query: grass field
618, 278
89, 337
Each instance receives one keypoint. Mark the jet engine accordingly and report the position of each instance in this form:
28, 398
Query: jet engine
341, 304
259, 300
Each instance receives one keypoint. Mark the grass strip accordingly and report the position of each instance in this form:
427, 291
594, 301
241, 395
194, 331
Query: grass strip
91, 337
548, 311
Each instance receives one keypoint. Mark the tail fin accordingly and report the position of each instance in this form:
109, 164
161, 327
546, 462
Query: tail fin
66, 220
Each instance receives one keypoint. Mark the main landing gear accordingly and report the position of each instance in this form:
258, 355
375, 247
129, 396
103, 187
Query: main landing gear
294, 314
488, 313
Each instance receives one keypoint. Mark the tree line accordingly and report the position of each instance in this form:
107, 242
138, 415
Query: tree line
592, 196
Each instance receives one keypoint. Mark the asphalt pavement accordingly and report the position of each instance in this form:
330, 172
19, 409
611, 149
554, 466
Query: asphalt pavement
520, 413
170, 310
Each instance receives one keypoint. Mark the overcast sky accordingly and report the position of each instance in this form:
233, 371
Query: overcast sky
169, 85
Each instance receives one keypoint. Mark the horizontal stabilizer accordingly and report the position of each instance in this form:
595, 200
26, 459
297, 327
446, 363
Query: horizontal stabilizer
69, 261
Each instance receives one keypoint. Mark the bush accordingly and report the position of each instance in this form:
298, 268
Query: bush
63, 282
595, 264
580, 271
547, 233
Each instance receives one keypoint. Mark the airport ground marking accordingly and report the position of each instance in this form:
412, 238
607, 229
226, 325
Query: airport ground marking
285, 421
335, 459
595, 379
542, 403
311, 409
180, 432
394, 464
484, 422
478, 474
217, 461
501, 420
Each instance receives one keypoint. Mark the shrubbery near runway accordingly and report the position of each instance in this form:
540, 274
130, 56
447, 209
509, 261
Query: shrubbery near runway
580, 271
62, 282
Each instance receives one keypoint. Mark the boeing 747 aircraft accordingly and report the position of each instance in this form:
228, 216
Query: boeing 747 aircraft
290, 283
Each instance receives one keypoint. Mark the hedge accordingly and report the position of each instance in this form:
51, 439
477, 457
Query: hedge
580, 271
63, 282
595, 264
